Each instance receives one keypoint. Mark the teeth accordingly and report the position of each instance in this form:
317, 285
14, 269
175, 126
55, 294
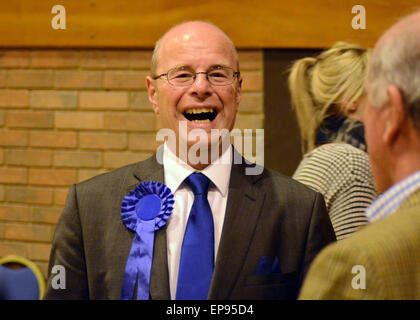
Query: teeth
199, 110
207, 120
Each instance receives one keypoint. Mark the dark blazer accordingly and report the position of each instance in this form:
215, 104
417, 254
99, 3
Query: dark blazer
269, 218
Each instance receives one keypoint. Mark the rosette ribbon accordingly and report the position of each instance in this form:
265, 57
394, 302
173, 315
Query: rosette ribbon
144, 210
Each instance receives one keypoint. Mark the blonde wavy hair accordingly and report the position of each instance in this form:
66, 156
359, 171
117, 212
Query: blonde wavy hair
322, 86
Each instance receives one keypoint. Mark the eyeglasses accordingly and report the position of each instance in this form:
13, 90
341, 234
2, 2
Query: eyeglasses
184, 76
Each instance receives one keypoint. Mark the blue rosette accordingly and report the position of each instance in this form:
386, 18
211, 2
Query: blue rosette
144, 210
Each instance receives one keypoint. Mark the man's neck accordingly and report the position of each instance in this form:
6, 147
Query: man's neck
211, 156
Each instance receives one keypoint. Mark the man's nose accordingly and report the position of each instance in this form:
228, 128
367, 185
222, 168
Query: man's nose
201, 86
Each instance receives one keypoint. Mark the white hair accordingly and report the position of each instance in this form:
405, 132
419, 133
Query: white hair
397, 62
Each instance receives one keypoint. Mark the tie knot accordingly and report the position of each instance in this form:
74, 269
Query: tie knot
198, 183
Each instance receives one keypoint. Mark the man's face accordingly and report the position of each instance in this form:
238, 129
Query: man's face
374, 129
199, 48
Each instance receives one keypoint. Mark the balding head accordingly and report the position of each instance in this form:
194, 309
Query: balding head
200, 52
186, 31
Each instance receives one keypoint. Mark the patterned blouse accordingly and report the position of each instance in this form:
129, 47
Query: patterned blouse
341, 172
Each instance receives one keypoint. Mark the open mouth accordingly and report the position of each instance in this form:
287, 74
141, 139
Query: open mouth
200, 114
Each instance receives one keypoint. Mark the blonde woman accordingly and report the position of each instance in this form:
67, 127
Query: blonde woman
327, 96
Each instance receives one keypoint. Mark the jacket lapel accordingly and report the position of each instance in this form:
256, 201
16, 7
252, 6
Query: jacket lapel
151, 170
242, 211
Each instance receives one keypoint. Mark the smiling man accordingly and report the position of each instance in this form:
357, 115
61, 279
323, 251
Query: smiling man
197, 84
229, 236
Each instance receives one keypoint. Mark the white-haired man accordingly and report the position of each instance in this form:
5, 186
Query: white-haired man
382, 261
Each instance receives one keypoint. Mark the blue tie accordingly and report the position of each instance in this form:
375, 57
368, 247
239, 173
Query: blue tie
197, 255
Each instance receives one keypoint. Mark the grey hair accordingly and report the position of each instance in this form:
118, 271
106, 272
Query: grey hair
155, 56
397, 62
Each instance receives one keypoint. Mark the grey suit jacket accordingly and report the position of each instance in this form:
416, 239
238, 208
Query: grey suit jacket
268, 216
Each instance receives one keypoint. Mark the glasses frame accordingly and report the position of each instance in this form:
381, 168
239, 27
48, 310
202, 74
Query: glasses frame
236, 74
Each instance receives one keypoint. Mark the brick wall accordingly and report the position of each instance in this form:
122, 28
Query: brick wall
67, 115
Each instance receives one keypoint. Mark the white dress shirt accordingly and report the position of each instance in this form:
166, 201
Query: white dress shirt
391, 199
175, 172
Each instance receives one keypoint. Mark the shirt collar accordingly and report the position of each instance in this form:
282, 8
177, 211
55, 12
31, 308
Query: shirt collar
390, 200
176, 170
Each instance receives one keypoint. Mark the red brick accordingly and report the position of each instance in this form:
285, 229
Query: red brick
29, 195
14, 98
77, 159
250, 59
49, 215
78, 79
60, 196
252, 81
13, 175
140, 59
52, 177
15, 213
139, 100
14, 58
111, 141
39, 251
28, 232
43, 267
249, 121
55, 58
30, 119
143, 142
85, 174
30, 78
125, 79
60, 139
114, 160
79, 120
54, 99
103, 100
13, 138
105, 59
12, 248
3, 77
252, 102
29, 157
129, 121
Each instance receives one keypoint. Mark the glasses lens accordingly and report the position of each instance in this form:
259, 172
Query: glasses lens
180, 76
221, 76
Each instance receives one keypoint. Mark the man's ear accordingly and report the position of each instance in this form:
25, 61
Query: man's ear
152, 93
395, 114
239, 91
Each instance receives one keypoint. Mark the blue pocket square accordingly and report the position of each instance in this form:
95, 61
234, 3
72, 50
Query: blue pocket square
265, 266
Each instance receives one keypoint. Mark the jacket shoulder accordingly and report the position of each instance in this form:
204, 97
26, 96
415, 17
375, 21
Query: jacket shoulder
273, 179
